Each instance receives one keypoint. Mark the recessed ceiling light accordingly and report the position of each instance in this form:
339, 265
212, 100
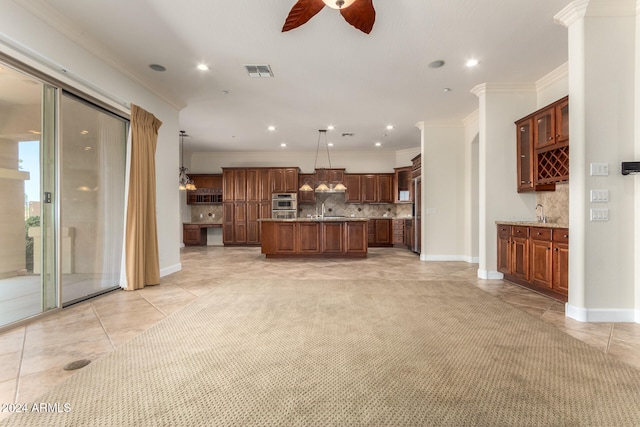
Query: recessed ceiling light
271, 128
436, 64
283, 145
378, 144
446, 89
389, 127
330, 144
84, 132
157, 67
203, 67
330, 127
472, 63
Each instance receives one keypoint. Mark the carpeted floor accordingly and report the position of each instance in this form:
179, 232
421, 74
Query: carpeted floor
347, 353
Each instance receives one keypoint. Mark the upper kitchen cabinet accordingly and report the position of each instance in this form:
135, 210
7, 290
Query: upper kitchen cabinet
353, 182
402, 185
284, 180
234, 183
307, 197
331, 177
543, 147
208, 189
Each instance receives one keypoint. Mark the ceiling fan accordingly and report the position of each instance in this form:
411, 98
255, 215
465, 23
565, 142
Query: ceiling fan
359, 13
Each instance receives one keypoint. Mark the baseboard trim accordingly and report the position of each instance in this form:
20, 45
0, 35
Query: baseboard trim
602, 314
171, 269
443, 257
490, 275
472, 259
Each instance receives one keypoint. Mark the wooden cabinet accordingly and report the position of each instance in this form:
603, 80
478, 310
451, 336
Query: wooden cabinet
374, 188
560, 260
380, 233
402, 188
543, 147
536, 257
192, 235
527, 158
307, 197
208, 189
541, 257
284, 180
331, 177
398, 232
513, 251
408, 233
234, 223
314, 238
353, 182
234, 183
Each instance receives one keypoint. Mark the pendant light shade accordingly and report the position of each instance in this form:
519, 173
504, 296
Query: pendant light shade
184, 182
323, 187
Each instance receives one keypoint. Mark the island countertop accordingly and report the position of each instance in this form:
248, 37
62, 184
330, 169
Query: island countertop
534, 224
309, 219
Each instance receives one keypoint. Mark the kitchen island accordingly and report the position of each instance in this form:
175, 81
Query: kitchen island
327, 237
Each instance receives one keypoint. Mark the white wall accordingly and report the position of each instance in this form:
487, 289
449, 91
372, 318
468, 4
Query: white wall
443, 193
471, 187
37, 44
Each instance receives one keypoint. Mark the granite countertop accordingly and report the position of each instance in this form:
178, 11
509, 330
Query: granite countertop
205, 224
535, 224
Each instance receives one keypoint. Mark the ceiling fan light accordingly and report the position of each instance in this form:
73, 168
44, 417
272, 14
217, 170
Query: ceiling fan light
338, 4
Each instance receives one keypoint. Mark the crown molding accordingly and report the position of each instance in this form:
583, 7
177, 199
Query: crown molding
473, 117
571, 13
484, 88
420, 125
553, 77
43, 11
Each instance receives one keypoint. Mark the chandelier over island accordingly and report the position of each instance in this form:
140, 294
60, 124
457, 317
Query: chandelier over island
323, 187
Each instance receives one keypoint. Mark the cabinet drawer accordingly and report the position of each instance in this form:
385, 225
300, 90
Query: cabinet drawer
539, 233
561, 235
504, 231
520, 231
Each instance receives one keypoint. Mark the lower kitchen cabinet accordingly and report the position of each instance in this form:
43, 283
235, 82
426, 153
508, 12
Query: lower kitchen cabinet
196, 234
288, 238
398, 232
536, 257
380, 233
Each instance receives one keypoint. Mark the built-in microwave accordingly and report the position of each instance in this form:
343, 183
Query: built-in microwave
284, 201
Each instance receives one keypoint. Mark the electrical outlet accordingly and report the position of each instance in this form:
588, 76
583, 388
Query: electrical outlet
599, 196
600, 214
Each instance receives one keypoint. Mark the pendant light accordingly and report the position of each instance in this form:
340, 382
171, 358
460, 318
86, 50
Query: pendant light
184, 182
323, 187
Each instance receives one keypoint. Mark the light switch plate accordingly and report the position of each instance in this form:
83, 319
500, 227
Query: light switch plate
600, 214
599, 196
599, 169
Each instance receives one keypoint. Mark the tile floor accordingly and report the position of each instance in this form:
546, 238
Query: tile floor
32, 356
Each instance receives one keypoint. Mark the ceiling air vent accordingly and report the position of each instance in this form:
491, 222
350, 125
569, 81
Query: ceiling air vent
259, 70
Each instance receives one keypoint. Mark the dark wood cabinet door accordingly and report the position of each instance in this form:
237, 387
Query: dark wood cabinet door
520, 257
193, 235
332, 239
239, 222
541, 262
385, 188
278, 180
525, 154
356, 237
228, 185
253, 226
306, 197
252, 185
240, 185
504, 254
290, 180
562, 121
383, 236
369, 192
227, 223
285, 237
561, 268
544, 132
353, 184
309, 237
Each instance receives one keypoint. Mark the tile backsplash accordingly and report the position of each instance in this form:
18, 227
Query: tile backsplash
206, 214
335, 205
556, 203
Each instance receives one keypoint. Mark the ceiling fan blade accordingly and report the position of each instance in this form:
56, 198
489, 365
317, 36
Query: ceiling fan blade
361, 15
301, 12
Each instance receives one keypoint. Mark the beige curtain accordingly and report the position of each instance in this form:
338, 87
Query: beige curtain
141, 236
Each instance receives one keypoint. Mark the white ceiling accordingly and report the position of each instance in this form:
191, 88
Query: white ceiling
325, 72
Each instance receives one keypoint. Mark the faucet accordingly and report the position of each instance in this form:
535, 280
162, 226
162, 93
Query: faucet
322, 215
541, 217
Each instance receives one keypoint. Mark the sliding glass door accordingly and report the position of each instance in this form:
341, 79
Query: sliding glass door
92, 173
62, 173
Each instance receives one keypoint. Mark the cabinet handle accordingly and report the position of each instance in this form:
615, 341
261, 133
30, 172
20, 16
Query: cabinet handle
557, 135
521, 182
538, 233
529, 182
523, 156
548, 248
566, 235
555, 249
550, 138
